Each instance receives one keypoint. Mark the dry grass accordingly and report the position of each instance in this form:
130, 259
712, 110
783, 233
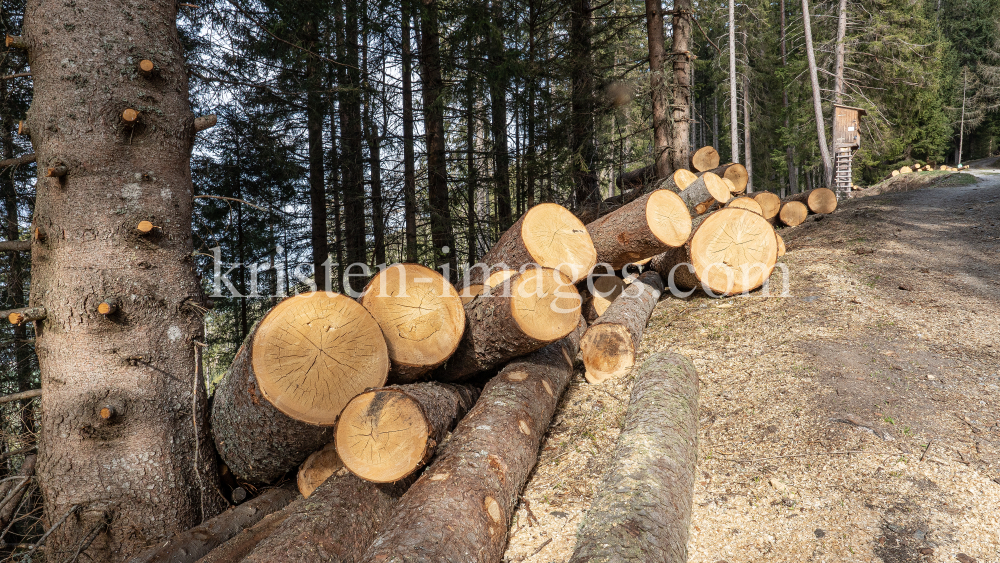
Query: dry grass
817, 408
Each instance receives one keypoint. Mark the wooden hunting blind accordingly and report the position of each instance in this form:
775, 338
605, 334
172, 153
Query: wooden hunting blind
846, 139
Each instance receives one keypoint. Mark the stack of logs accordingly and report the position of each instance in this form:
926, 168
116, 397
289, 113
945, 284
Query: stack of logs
420, 407
918, 167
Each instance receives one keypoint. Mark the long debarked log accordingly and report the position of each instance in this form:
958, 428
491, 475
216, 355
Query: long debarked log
387, 434
290, 379
191, 545
644, 228
611, 344
460, 508
818, 200
336, 524
548, 235
641, 511
731, 251
735, 172
519, 316
421, 316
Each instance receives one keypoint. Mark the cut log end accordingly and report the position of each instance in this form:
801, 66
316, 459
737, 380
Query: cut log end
822, 200
107, 413
420, 313
781, 245
668, 218
793, 213
56, 171
146, 66
383, 435
26, 315
108, 306
130, 115
733, 251
317, 468
769, 202
684, 178
608, 352
605, 290
705, 159
747, 203
556, 239
545, 304
737, 174
315, 351
718, 189
145, 227
496, 279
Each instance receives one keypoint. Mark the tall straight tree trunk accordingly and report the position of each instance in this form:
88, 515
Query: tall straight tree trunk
824, 151
472, 172
409, 172
533, 76
657, 87
351, 134
838, 85
317, 176
695, 118
335, 184
680, 141
793, 176
582, 148
747, 147
437, 167
715, 121
733, 125
149, 470
375, 164
497, 77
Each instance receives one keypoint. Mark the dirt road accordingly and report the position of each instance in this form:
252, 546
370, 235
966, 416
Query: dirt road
817, 408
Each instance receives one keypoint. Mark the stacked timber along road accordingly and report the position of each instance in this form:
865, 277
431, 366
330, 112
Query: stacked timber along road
857, 419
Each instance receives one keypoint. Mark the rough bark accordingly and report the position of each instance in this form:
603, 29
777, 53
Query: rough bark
611, 343
734, 172
824, 150
642, 509
385, 435
254, 436
150, 472
734, 139
498, 80
708, 188
197, 542
479, 474
838, 74
680, 138
317, 177
494, 336
236, 549
641, 229
793, 177
663, 162
747, 146
336, 524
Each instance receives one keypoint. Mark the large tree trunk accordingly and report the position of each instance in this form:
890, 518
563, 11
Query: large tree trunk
525, 313
547, 235
385, 435
838, 75
657, 84
747, 146
193, 544
352, 175
793, 177
437, 168
583, 151
317, 176
236, 549
734, 139
289, 381
149, 471
611, 344
731, 251
680, 139
642, 508
409, 172
497, 78
824, 150
480, 473
641, 229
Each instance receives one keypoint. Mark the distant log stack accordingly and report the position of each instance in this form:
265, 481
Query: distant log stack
735, 172
421, 317
732, 251
793, 213
770, 204
611, 344
292, 376
642, 507
819, 200
547, 235
537, 307
385, 435
641, 229
705, 159
461, 507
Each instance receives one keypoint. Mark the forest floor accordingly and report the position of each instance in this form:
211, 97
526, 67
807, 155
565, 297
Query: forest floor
856, 419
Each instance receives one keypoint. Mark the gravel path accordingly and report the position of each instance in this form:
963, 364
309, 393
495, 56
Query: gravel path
856, 419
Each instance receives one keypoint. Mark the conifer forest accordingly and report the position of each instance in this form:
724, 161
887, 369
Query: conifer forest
204, 203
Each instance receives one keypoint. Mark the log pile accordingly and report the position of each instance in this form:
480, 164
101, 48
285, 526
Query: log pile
420, 408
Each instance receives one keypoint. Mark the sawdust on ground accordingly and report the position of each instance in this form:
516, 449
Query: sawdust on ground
855, 419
